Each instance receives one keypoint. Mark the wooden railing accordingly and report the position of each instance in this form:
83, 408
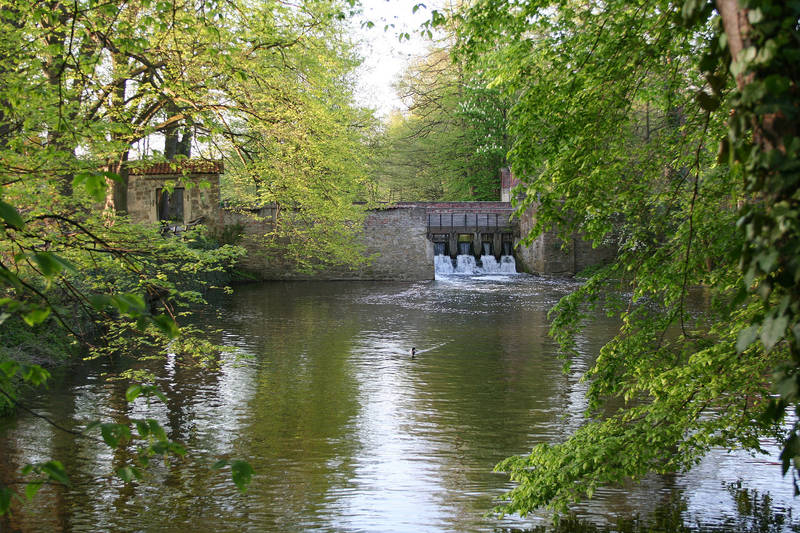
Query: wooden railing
467, 222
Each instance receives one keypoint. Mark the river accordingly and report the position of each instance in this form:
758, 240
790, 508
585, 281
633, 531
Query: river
346, 432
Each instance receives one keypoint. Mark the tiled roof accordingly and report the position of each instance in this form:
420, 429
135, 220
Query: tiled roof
186, 166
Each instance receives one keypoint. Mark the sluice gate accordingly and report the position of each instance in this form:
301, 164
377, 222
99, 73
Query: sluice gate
472, 228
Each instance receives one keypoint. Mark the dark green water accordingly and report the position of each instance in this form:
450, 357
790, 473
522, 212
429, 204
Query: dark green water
345, 431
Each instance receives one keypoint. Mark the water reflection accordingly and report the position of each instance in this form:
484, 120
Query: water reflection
345, 431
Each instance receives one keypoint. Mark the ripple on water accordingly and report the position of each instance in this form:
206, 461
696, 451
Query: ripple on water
346, 431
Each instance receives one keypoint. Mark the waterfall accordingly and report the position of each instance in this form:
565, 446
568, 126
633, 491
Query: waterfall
489, 264
508, 265
465, 264
442, 264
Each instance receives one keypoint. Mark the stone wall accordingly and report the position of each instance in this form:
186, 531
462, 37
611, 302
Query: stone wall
399, 237
547, 254
395, 238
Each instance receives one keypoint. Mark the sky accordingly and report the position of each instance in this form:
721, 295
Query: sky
384, 56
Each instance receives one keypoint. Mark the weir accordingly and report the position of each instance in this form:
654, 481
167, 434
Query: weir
406, 240
472, 238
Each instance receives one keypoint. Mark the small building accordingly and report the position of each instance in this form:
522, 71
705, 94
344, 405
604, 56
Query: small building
176, 193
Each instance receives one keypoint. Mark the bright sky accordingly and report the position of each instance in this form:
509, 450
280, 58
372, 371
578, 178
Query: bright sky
384, 56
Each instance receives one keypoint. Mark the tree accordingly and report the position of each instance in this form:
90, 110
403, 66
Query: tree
618, 113
80, 84
452, 142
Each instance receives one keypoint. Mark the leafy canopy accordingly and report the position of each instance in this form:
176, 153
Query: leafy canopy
85, 88
672, 133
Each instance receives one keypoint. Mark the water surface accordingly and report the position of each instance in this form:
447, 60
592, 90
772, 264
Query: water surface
345, 431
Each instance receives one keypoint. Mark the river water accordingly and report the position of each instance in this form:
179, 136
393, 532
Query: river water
345, 430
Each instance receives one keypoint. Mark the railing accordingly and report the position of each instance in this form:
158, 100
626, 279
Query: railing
469, 221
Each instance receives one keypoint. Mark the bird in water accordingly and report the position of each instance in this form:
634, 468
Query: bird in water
414, 350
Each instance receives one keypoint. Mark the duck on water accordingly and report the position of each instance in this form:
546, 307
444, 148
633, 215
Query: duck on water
414, 350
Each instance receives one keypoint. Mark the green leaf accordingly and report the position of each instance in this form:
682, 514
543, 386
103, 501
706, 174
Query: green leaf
6, 495
94, 183
177, 449
156, 430
35, 375
151, 390
36, 316
11, 216
133, 392
128, 473
32, 488
142, 428
55, 471
222, 463
242, 474
167, 325
115, 434
10, 368
128, 303
9, 278
746, 338
99, 301
773, 330
51, 264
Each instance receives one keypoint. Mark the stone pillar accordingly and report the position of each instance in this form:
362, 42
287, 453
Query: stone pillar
497, 244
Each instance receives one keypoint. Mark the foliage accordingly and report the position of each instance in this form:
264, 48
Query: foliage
451, 143
84, 87
304, 155
618, 111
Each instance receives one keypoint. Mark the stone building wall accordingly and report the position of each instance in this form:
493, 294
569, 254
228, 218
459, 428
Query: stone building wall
200, 181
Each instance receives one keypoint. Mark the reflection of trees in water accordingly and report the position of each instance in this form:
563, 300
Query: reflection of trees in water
756, 514
497, 389
300, 409
298, 433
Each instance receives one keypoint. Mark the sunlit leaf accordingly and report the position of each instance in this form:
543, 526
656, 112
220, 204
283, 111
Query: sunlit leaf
167, 325
36, 316
133, 392
31, 489
9, 367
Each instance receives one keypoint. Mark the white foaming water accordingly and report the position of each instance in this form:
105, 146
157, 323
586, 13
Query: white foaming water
508, 265
465, 264
442, 264
490, 264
